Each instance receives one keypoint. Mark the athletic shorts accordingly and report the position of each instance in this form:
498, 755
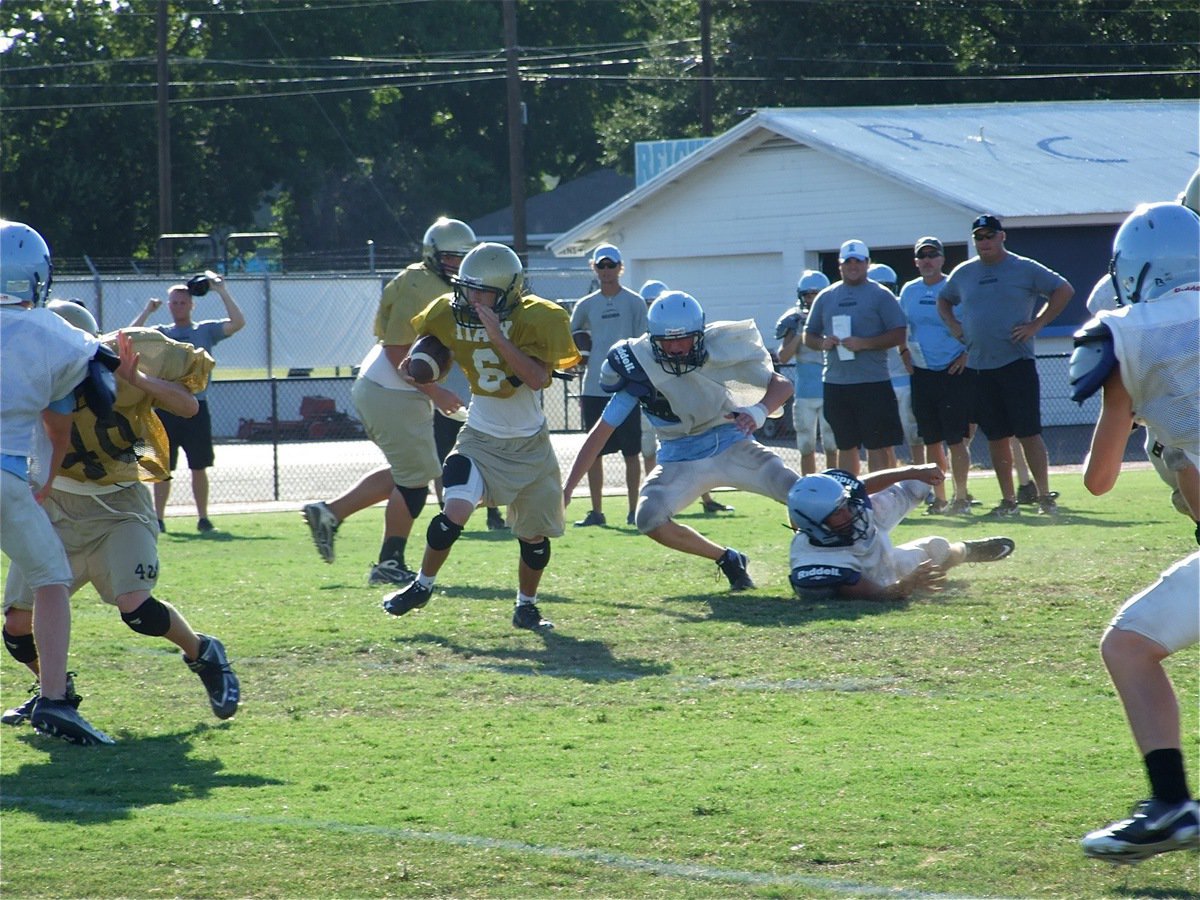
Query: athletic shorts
26, 536
746, 465
111, 541
863, 415
400, 423
908, 419
1008, 401
943, 404
520, 473
193, 434
1167, 612
807, 414
627, 438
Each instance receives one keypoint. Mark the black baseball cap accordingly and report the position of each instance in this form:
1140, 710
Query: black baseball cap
986, 221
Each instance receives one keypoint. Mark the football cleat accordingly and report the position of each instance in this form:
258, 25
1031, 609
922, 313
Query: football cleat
390, 571
323, 525
414, 596
19, 715
733, 565
212, 666
1027, 494
988, 549
527, 615
1154, 827
58, 718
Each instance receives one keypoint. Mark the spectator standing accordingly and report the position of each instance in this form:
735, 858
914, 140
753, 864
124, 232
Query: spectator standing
943, 387
855, 322
1145, 359
998, 298
194, 434
706, 389
808, 402
397, 413
508, 344
609, 314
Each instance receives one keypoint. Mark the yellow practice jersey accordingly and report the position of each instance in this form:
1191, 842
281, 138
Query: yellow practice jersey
403, 297
133, 446
539, 328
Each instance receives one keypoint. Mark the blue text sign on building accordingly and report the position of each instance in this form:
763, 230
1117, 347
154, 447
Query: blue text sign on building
652, 158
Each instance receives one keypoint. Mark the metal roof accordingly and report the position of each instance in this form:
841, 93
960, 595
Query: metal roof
1071, 161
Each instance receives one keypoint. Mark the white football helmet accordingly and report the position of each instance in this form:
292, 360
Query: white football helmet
1156, 248
810, 280
75, 313
1191, 194
446, 237
813, 499
651, 290
672, 316
25, 268
884, 275
493, 268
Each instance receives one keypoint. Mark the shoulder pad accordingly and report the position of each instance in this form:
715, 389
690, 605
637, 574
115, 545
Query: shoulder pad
622, 371
818, 581
98, 389
788, 323
1093, 359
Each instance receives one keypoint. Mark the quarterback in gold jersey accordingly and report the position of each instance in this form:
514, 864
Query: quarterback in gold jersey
508, 344
104, 514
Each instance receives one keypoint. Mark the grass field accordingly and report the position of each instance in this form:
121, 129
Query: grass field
668, 739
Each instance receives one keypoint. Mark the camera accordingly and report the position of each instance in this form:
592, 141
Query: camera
197, 285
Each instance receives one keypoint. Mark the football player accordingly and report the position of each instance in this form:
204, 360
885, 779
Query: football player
508, 343
1145, 359
397, 413
104, 514
808, 407
843, 546
705, 389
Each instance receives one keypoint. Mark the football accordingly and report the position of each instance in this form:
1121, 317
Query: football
428, 359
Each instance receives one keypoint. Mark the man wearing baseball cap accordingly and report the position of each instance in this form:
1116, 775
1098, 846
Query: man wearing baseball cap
855, 322
996, 303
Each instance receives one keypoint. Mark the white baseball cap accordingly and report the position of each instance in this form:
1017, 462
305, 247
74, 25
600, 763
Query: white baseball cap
853, 250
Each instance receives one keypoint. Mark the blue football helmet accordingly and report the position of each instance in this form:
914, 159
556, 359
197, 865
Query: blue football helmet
651, 289
885, 275
810, 280
672, 316
25, 268
493, 268
814, 498
1155, 249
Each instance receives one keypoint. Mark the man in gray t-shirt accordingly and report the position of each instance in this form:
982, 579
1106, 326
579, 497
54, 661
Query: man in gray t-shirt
608, 315
996, 303
856, 321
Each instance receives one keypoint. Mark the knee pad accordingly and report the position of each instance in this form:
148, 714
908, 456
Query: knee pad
20, 647
414, 498
456, 470
151, 618
536, 556
442, 533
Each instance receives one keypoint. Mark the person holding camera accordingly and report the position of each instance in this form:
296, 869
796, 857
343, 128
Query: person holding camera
194, 435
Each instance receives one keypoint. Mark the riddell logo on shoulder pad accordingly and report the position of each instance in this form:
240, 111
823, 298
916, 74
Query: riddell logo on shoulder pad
819, 572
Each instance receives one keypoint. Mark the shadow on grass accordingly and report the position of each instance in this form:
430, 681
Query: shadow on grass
89, 785
558, 656
1163, 892
777, 611
214, 537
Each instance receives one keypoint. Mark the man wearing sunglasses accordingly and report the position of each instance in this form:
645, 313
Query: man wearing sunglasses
996, 303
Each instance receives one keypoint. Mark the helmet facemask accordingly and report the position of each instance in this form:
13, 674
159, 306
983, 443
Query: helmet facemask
493, 269
673, 316
679, 363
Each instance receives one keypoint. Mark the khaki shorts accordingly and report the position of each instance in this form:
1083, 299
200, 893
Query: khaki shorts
746, 465
400, 423
111, 541
520, 473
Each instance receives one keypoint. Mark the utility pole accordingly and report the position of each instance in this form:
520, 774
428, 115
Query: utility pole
516, 128
706, 69
164, 132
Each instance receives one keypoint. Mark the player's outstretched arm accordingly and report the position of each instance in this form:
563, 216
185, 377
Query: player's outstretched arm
588, 453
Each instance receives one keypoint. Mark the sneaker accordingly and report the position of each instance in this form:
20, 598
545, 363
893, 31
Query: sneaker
323, 525
414, 596
1007, 509
527, 615
959, 508
988, 549
59, 718
204, 526
733, 565
715, 506
1154, 827
1047, 505
937, 508
1027, 494
390, 571
212, 665
495, 521
19, 715
592, 518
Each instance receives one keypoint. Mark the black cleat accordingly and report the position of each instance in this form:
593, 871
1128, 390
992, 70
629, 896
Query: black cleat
323, 526
715, 506
527, 615
1154, 827
19, 715
204, 526
58, 718
214, 670
412, 597
733, 565
988, 549
390, 571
